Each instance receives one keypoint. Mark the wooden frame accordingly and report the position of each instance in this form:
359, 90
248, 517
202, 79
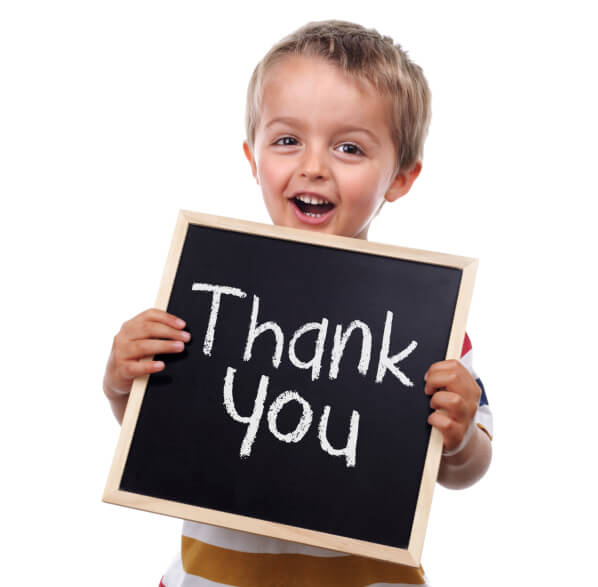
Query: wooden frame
410, 556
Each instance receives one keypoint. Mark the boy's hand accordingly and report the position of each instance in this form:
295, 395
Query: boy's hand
455, 397
152, 332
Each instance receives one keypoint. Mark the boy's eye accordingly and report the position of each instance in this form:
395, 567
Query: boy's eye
286, 141
350, 149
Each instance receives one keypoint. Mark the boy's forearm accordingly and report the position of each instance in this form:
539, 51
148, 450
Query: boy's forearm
469, 465
118, 401
118, 406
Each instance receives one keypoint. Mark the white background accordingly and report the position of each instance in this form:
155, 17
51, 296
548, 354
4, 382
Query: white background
116, 114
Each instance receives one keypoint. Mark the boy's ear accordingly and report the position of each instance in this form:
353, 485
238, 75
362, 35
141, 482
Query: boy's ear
251, 159
402, 183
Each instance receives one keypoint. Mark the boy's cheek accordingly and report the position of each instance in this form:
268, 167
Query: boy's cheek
273, 177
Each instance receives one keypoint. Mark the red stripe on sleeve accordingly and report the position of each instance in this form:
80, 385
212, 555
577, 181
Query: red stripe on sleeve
466, 345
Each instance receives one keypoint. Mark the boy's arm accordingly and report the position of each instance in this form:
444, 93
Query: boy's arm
469, 464
150, 333
455, 399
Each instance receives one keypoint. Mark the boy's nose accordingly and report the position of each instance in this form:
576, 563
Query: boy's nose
313, 164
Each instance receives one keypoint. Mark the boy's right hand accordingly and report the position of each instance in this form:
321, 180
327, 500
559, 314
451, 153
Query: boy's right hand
150, 333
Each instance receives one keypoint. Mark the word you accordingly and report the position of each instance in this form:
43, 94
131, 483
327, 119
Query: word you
386, 363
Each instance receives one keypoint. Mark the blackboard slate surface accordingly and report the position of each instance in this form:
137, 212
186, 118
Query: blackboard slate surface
186, 447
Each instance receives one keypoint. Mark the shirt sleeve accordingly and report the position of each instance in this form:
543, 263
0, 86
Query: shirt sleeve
483, 416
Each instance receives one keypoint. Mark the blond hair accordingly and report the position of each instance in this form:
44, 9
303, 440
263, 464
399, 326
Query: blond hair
366, 55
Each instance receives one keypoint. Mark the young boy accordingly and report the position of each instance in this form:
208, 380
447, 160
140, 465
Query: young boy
336, 120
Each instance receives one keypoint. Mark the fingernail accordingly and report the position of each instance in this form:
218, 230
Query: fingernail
180, 323
178, 345
186, 336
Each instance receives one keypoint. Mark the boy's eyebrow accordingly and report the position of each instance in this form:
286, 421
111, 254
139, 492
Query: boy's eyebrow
284, 120
370, 134
345, 129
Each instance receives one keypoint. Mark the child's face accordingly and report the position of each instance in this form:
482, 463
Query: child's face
323, 153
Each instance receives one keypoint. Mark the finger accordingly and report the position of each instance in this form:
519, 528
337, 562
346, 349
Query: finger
452, 432
132, 369
166, 318
157, 330
439, 379
444, 365
437, 369
139, 349
155, 315
451, 403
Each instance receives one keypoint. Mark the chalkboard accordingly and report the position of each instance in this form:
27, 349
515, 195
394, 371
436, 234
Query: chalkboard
297, 410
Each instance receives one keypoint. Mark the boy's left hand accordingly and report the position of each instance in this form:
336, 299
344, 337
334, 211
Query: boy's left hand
455, 399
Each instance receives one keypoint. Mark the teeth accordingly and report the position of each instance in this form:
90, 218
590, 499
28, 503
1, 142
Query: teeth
313, 215
312, 200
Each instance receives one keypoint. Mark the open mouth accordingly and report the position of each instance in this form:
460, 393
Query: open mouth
312, 206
